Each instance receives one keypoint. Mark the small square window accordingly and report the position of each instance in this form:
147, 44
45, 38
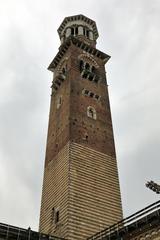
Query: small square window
96, 80
86, 92
90, 77
96, 96
91, 94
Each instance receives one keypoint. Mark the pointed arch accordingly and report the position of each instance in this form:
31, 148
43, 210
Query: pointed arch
86, 57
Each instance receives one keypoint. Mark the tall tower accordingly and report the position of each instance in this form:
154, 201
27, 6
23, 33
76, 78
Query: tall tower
81, 192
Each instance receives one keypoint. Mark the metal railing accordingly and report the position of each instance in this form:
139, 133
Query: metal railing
9, 232
145, 216
131, 223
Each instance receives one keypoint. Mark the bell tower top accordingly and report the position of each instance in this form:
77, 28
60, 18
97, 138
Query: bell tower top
80, 27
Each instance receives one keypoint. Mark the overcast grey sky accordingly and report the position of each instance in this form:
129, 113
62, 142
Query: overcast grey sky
129, 32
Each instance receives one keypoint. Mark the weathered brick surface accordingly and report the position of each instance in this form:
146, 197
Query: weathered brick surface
100, 133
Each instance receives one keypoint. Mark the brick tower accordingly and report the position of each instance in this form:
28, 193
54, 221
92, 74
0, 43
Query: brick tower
81, 194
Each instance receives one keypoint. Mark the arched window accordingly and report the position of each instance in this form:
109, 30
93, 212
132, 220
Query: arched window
68, 32
91, 112
91, 35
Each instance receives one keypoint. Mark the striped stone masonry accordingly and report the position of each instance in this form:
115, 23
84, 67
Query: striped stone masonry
81, 182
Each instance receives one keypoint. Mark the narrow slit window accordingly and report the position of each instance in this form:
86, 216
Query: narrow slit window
59, 101
81, 65
84, 31
93, 69
87, 33
64, 70
85, 137
53, 213
72, 31
76, 30
56, 216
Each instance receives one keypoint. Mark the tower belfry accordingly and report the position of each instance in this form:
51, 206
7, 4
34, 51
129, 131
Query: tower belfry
81, 194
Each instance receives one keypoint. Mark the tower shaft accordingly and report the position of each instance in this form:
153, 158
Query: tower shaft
81, 194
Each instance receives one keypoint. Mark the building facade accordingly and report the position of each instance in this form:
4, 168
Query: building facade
81, 194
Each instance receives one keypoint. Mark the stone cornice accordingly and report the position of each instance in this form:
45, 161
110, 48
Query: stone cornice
72, 40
